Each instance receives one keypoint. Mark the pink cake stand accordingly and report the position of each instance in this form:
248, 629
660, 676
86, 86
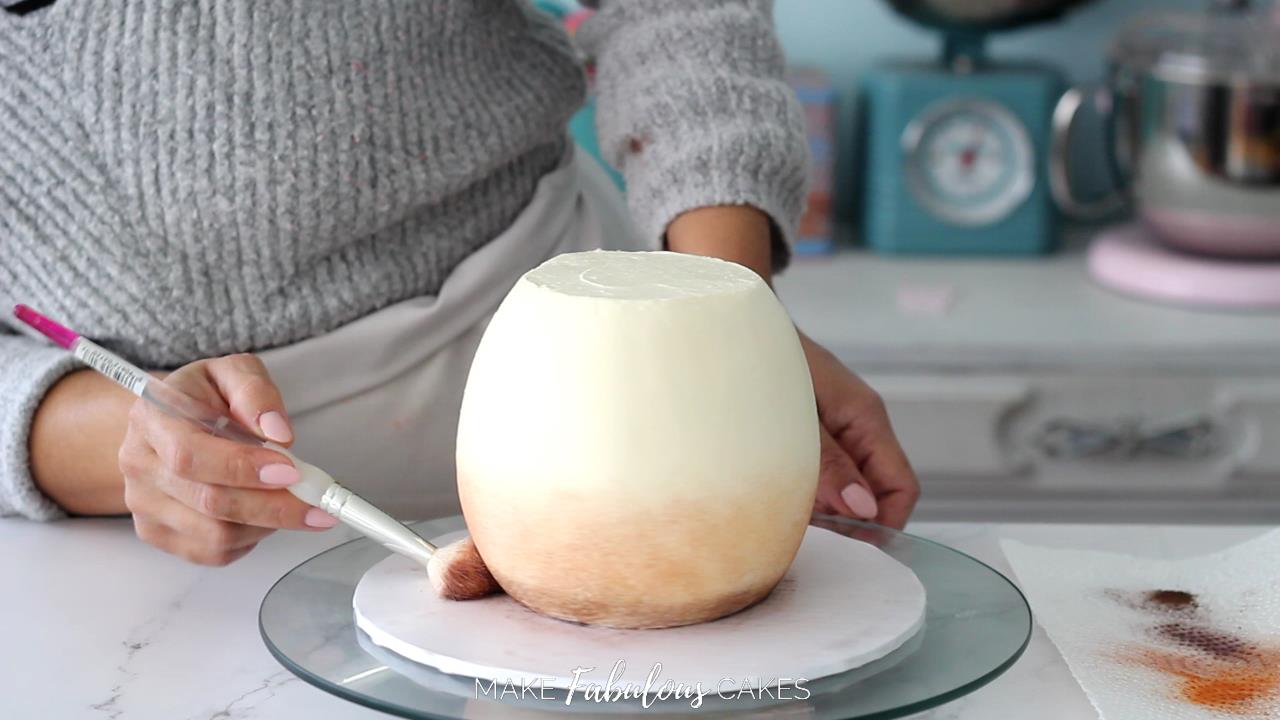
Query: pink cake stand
1125, 258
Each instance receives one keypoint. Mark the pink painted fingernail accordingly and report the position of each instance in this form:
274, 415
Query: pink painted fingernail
860, 501
279, 474
275, 427
318, 518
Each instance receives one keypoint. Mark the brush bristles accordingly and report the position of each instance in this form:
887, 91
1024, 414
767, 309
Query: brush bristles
458, 572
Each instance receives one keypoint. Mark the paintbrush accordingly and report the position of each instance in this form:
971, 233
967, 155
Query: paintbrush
457, 571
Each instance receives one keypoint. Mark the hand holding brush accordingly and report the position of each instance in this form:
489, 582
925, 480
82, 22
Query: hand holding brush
192, 432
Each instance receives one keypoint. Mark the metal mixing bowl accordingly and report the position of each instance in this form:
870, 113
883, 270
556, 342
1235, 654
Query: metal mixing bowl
1193, 103
981, 15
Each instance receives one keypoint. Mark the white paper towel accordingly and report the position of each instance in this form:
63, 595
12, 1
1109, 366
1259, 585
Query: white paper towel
1163, 640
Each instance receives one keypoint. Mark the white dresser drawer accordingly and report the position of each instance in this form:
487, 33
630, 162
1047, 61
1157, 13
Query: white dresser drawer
957, 426
1024, 391
1104, 444
1254, 406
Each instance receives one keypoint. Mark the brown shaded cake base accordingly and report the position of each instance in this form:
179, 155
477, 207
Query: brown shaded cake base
643, 616
623, 562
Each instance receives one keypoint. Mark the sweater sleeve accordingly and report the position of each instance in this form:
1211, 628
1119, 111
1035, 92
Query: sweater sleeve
694, 111
27, 370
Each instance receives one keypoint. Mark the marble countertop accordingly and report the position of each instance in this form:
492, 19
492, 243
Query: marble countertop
98, 625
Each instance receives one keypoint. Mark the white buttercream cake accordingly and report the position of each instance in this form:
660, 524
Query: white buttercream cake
638, 443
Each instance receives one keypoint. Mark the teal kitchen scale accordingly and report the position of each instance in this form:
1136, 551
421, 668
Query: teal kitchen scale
957, 148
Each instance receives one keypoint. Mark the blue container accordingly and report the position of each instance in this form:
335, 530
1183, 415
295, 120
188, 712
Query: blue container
956, 162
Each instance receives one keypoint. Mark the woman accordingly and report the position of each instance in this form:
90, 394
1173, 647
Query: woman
345, 190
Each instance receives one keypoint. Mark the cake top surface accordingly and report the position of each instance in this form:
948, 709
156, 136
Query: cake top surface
641, 275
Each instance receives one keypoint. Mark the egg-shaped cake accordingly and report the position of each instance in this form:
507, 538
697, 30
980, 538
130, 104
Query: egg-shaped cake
638, 441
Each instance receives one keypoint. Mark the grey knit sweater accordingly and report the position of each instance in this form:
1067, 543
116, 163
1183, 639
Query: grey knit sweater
180, 178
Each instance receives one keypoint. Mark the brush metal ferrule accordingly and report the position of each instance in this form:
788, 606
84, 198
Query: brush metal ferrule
362, 515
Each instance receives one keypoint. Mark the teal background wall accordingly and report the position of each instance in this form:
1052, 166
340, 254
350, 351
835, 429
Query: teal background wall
843, 37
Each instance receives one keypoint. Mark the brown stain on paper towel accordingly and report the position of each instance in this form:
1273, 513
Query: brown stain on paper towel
1213, 668
1170, 599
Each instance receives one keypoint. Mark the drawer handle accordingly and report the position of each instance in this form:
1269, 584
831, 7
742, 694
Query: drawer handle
1194, 438
1062, 438
1069, 439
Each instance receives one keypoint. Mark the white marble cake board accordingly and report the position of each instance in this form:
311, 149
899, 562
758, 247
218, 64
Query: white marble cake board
842, 604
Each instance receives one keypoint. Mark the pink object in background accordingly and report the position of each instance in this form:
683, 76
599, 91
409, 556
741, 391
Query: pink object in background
574, 20
925, 300
816, 233
1216, 234
1126, 258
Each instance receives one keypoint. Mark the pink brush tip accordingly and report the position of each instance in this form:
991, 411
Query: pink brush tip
50, 329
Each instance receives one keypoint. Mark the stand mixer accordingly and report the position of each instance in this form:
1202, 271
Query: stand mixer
1193, 111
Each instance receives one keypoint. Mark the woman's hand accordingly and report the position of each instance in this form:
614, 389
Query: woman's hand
864, 472
202, 497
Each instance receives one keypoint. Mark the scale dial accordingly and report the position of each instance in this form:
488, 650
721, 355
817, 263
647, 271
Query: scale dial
969, 162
